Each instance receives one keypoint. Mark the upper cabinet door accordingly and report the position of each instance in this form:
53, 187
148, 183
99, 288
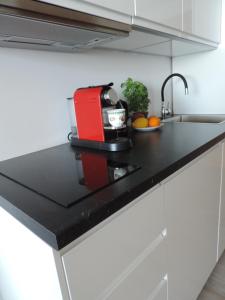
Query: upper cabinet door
164, 12
116, 10
125, 6
203, 18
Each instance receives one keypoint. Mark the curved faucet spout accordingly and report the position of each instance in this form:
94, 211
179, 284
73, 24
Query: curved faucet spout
163, 110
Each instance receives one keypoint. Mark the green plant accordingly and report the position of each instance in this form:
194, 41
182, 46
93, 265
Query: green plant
136, 94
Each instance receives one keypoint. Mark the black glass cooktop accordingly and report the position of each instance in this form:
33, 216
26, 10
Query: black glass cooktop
63, 175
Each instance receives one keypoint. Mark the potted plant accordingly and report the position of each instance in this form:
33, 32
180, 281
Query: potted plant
136, 95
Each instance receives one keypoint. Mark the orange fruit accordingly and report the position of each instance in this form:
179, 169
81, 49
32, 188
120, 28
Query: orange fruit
153, 121
140, 123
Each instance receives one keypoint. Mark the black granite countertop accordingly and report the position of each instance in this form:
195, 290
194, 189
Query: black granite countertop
39, 189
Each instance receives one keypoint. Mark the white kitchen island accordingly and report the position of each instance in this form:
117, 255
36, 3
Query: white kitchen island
162, 245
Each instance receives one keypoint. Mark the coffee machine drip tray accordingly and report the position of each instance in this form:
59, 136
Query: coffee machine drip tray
114, 145
63, 175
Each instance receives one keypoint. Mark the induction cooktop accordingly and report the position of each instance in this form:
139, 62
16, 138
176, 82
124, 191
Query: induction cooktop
63, 175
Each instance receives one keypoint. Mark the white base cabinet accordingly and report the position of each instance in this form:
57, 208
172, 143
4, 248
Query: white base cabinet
162, 246
125, 259
192, 211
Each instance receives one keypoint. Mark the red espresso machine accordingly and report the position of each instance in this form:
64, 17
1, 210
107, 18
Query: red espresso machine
93, 129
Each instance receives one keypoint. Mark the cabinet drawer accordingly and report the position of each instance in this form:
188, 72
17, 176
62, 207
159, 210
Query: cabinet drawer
94, 264
142, 283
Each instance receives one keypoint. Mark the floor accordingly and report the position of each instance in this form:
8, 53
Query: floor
215, 286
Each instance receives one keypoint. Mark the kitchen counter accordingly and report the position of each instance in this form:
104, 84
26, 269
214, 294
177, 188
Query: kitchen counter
158, 154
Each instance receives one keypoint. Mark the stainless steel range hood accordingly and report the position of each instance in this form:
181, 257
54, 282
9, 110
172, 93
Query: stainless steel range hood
38, 25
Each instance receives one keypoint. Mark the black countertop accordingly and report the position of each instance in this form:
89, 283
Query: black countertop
46, 190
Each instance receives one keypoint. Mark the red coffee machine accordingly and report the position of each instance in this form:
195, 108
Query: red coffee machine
93, 129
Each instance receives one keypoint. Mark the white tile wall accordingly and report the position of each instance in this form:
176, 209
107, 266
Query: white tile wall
34, 85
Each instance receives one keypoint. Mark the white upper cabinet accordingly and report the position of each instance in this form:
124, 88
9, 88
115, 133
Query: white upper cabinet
163, 12
197, 20
125, 6
189, 19
116, 10
203, 18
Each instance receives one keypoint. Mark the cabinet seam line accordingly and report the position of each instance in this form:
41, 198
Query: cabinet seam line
220, 203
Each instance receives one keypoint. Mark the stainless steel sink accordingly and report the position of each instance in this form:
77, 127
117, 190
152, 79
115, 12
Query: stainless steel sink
216, 119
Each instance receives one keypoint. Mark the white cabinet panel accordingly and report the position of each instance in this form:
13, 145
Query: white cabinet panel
203, 18
192, 208
165, 12
221, 244
27, 265
94, 265
125, 6
162, 292
115, 10
187, 16
141, 282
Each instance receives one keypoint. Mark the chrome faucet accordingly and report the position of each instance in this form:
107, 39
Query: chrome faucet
166, 111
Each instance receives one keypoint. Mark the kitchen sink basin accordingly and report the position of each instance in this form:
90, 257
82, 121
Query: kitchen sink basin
216, 119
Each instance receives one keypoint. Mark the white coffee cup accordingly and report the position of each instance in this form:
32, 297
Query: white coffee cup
116, 117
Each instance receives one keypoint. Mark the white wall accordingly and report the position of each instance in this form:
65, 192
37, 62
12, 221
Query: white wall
205, 73
34, 85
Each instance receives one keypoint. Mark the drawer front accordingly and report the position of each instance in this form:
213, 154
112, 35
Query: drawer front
142, 282
94, 264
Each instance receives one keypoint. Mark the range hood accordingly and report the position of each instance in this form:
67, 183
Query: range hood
39, 25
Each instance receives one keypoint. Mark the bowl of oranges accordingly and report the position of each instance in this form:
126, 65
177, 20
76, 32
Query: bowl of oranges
146, 124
